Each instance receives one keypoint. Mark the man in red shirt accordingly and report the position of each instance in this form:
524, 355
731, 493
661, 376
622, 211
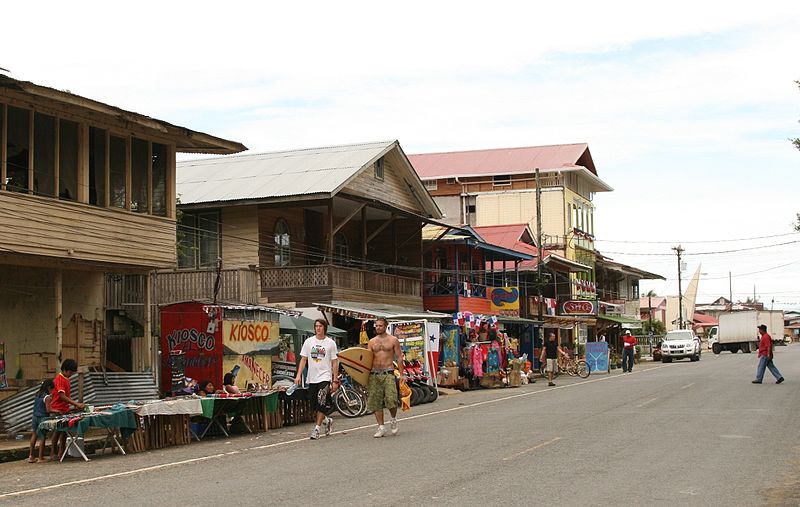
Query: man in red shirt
765, 357
61, 402
628, 350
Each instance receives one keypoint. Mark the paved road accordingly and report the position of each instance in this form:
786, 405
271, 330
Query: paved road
684, 433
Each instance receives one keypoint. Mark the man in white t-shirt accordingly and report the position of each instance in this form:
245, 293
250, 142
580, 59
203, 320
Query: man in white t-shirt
320, 355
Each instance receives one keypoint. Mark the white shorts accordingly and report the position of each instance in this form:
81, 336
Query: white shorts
552, 365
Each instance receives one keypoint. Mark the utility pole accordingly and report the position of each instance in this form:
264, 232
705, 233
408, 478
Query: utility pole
730, 290
539, 244
679, 250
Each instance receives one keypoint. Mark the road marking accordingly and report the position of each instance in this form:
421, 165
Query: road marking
734, 436
687, 386
304, 439
651, 400
543, 444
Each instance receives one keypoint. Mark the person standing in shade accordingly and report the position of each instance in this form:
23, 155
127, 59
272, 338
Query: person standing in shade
382, 385
765, 357
551, 351
628, 351
320, 354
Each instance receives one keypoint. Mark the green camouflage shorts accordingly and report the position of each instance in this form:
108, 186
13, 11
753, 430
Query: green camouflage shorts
381, 392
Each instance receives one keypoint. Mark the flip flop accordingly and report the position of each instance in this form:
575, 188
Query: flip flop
31, 459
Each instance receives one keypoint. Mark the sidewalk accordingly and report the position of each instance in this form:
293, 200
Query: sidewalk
12, 449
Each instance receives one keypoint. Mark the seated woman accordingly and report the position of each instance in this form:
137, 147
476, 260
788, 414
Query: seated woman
205, 387
229, 384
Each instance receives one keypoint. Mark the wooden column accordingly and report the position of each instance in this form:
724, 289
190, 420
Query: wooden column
148, 339
3, 134
364, 237
330, 232
58, 309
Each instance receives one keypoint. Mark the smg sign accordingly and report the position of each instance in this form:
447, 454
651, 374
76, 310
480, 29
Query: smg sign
577, 307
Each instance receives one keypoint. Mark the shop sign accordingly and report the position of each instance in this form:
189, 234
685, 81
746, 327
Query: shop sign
412, 337
504, 300
244, 337
577, 307
597, 356
285, 368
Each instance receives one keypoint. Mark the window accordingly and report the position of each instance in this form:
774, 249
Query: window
97, 166
379, 169
199, 239
431, 184
139, 167
44, 155
17, 149
501, 180
116, 169
159, 179
68, 147
282, 243
451, 181
471, 208
340, 248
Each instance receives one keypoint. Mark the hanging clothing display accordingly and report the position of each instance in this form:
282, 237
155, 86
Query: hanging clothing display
477, 361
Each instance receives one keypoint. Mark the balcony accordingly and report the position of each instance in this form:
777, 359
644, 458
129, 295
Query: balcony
305, 285
441, 297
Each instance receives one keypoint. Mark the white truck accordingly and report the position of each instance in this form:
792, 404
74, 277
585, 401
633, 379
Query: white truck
739, 330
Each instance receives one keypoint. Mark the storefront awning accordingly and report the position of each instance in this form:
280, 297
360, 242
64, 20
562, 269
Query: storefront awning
507, 319
566, 321
370, 312
625, 321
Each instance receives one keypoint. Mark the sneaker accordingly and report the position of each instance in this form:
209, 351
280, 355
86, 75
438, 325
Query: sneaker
756, 381
327, 423
380, 433
779, 380
315, 434
393, 425
551, 384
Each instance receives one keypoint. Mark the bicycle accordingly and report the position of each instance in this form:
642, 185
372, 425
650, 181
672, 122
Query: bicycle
349, 400
569, 366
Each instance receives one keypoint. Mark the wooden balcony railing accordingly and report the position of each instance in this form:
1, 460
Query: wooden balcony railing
340, 277
236, 285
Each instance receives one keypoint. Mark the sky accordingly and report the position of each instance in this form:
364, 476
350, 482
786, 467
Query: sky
687, 107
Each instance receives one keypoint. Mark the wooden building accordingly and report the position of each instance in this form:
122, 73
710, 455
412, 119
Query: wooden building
86, 189
337, 225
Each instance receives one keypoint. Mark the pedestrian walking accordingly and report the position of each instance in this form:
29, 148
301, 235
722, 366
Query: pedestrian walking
41, 410
765, 357
628, 351
550, 352
382, 385
320, 354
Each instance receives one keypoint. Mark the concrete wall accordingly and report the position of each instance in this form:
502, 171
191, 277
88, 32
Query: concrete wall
27, 307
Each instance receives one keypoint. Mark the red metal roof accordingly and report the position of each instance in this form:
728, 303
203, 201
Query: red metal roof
508, 236
502, 161
707, 320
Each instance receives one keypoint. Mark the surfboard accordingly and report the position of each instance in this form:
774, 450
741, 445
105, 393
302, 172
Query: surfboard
357, 362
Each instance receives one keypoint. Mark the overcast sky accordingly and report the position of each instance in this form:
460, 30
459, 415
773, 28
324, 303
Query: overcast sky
686, 106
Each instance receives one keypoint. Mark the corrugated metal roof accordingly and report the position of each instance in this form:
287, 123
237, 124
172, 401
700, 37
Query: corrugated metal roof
312, 171
559, 157
186, 140
508, 236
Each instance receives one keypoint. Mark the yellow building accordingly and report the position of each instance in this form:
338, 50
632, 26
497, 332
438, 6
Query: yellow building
498, 187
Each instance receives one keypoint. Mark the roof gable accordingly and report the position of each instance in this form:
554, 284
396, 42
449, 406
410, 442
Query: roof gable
305, 173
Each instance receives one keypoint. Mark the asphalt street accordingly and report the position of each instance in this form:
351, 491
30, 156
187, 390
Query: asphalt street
678, 434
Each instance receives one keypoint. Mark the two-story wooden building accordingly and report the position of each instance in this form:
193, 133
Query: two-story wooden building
86, 189
339, 226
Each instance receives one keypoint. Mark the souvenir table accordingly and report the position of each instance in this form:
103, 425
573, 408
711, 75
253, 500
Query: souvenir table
242, 407
164, 423
77, 424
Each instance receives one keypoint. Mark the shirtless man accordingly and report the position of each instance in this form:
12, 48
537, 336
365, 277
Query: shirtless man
381, 387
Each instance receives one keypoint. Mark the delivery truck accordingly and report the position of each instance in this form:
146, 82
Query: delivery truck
739, 330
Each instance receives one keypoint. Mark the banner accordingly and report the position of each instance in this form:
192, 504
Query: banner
243, 337
597, 356
504, 300
3, 379
413, 340
449, 340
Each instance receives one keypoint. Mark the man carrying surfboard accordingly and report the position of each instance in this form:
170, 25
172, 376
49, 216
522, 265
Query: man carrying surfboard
381, 387
320, 354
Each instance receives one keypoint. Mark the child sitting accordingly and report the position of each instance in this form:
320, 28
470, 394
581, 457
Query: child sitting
41, 410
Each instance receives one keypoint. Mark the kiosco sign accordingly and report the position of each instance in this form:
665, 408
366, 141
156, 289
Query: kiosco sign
577, 307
